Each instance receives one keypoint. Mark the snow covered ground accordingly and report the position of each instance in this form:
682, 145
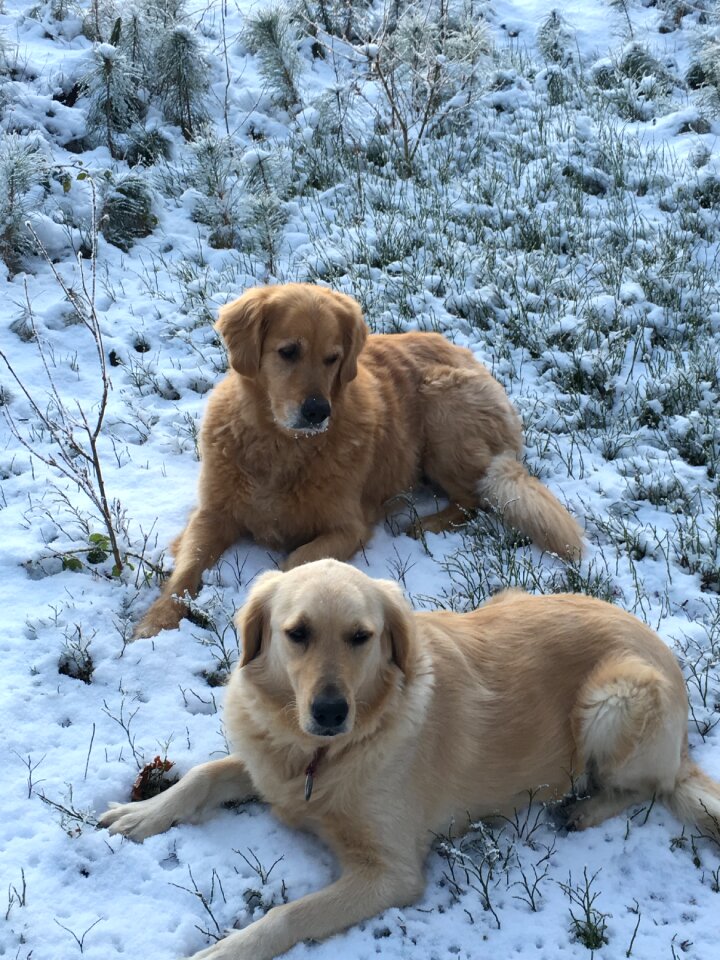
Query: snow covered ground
560, 216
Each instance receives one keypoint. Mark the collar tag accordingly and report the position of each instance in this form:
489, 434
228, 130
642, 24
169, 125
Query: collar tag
308, 784
310, 771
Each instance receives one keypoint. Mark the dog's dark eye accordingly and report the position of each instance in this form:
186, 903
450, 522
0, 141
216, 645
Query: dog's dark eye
360, 637
329, 361
299, 634
289, 352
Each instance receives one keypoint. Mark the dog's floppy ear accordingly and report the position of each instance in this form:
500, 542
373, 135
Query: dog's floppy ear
252, 620
242, 325
355, 333
400, 626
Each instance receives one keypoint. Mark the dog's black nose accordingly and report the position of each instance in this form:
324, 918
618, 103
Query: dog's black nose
329, 710
315, 409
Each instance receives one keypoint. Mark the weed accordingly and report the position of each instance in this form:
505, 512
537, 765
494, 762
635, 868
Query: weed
207, 901
153, 779
75, 660
588, 925
16, 897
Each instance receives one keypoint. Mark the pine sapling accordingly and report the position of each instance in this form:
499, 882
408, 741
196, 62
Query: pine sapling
23, 170
111, 88
217, 175
554, 39
137, 41
127, 211
181, 78
271, 36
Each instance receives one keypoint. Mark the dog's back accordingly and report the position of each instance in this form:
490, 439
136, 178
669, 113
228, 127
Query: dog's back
523, 682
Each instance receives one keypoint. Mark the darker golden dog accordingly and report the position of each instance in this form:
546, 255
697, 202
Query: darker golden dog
317, 425
398, 725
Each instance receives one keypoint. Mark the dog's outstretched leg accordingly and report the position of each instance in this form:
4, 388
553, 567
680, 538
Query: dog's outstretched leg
204, 540
189, 800
338, 545
360, 893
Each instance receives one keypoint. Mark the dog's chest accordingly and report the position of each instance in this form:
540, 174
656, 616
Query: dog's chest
280, 775
285, 496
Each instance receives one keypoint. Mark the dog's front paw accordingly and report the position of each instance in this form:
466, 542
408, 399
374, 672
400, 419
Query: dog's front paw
162, 615
136, 821
230, 948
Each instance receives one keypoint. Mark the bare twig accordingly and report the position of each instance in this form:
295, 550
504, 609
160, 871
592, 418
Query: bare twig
75, 438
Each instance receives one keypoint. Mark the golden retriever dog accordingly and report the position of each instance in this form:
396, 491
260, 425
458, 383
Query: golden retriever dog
376, 728
317, 425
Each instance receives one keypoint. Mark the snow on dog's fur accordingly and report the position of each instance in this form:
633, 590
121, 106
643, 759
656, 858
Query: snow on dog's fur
409, 723
317, 425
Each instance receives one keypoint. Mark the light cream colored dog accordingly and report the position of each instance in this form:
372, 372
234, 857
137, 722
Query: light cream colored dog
397, 724
317, 425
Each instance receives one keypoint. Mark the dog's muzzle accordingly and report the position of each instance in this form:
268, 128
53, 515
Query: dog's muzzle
329, 712
313, 415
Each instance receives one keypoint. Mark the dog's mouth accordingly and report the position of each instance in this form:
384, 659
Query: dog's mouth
304, 428
306, 419
316, 730
299, 426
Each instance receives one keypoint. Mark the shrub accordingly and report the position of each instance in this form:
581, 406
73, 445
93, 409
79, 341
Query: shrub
181, 77
111, 88
23, 171
127, 212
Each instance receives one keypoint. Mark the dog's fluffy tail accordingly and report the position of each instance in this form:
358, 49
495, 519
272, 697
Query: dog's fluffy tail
696, 799
529, 506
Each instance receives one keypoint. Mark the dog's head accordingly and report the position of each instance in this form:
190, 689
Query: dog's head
300, 344
327, 645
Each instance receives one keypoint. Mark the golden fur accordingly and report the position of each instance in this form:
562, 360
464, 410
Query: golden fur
400, 407
448, 716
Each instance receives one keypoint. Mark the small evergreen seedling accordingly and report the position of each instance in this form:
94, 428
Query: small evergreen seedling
554, 39
704, 71
146, 146
216, 174
4, 55
164, 13
54, 10
271, 35
23, 169
138, 41
181, 78
111, 87
100, 21
339, 18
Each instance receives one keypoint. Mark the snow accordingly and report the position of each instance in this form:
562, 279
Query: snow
74, 743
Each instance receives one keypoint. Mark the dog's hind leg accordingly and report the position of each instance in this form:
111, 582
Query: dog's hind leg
630, 735
590, 802
472, 447
448, 519
468, 420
